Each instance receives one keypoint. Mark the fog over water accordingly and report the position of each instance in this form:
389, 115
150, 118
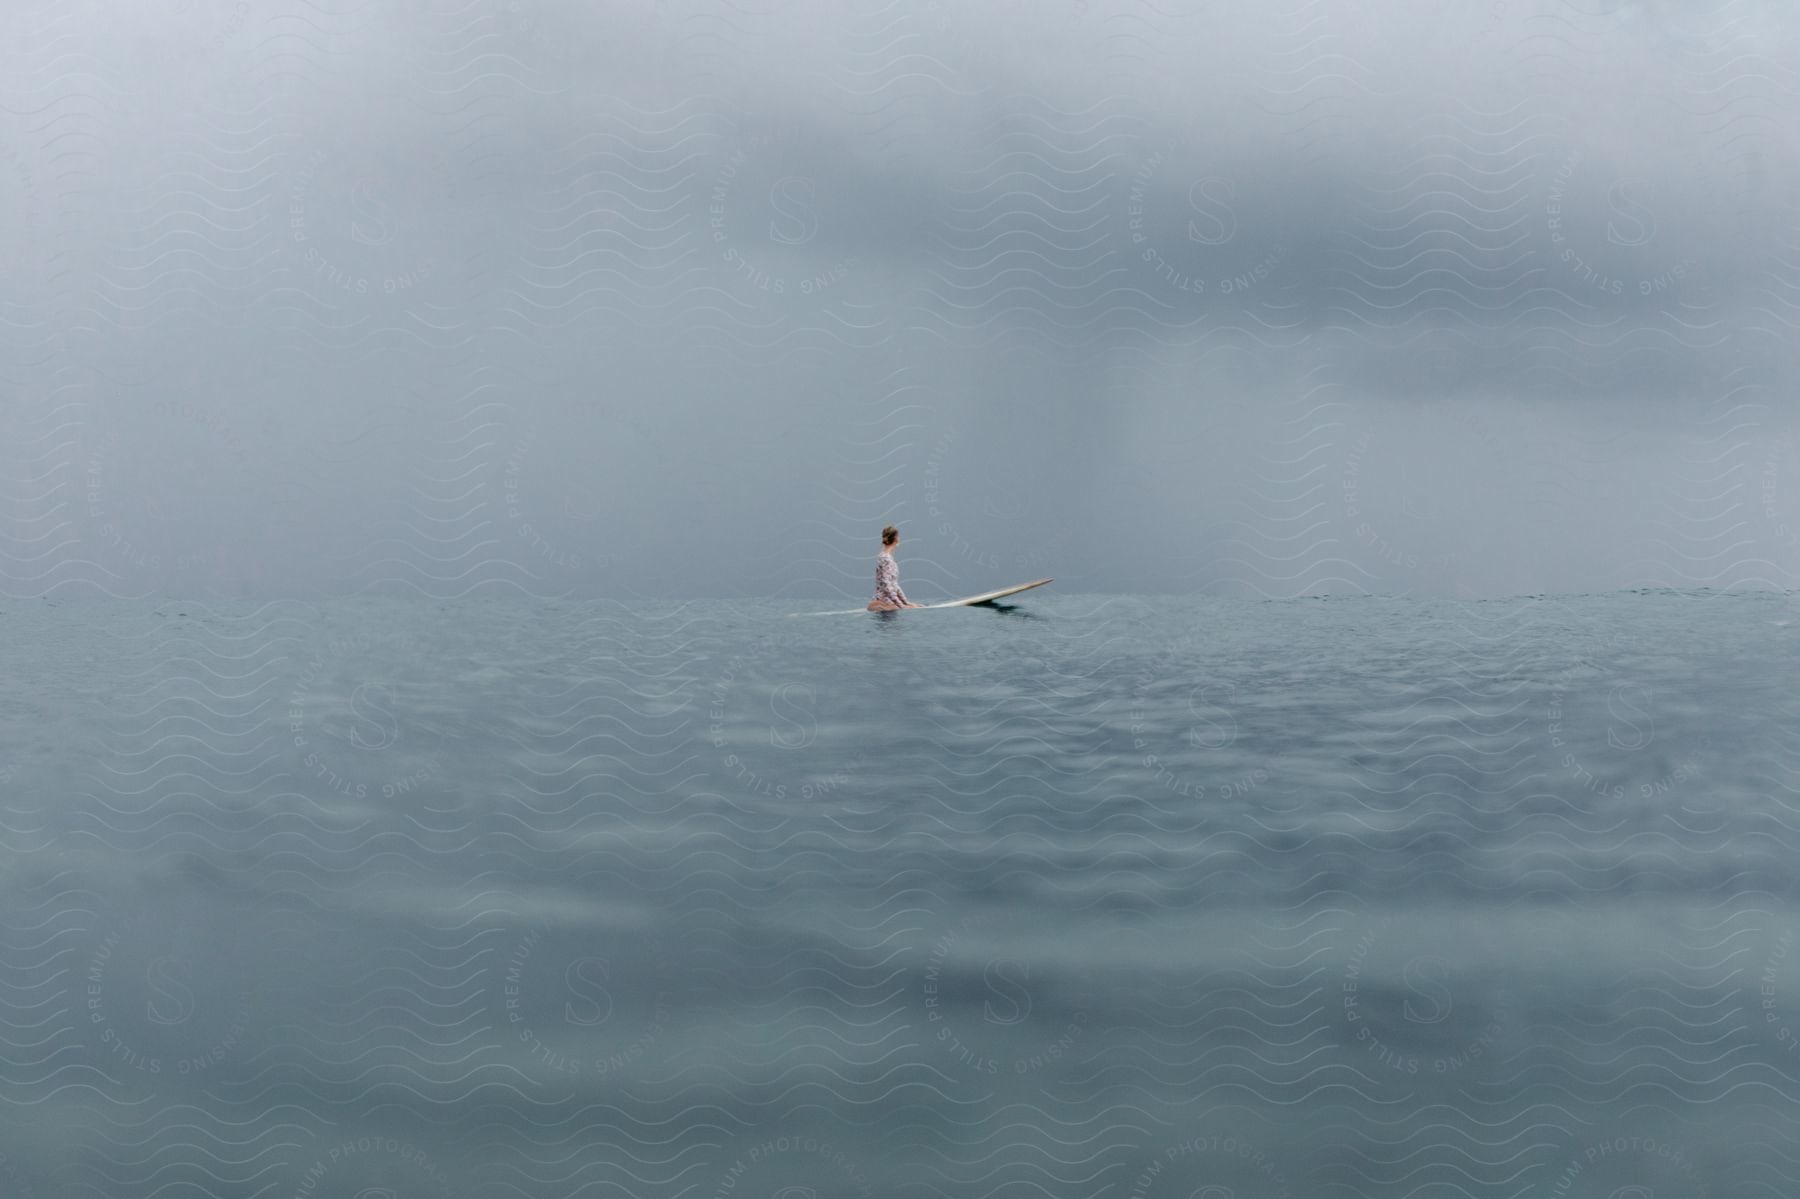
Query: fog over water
678, 298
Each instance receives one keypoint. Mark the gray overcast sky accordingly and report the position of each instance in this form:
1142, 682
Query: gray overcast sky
686, 298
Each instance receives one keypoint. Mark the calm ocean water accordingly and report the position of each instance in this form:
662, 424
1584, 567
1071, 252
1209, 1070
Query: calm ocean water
1099, 896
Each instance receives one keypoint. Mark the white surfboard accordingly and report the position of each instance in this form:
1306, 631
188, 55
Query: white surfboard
990, 596
986, 597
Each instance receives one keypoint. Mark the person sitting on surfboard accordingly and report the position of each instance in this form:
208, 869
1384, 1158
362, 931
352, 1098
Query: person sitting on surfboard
888, 595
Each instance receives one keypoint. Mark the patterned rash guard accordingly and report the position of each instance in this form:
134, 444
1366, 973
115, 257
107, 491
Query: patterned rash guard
887, 580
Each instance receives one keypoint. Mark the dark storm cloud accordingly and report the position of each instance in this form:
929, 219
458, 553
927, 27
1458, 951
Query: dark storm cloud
690, 298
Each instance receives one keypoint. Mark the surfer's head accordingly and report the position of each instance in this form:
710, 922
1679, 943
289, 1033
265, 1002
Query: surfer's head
890, 537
